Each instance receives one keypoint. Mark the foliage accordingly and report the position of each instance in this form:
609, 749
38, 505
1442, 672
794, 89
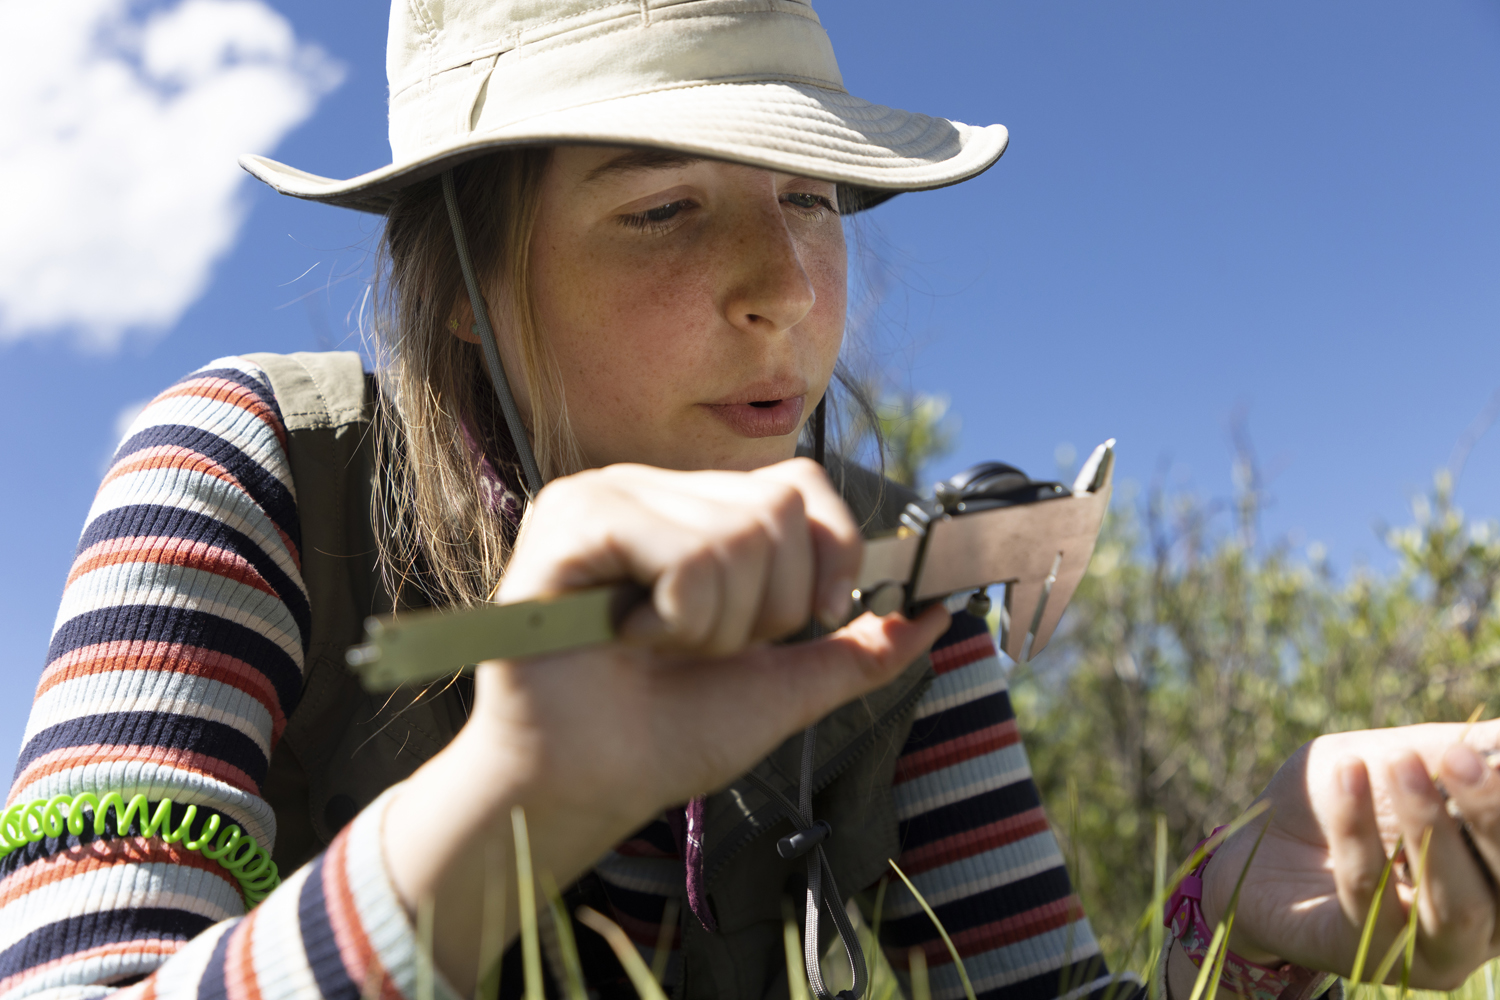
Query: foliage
1192, 662
912, 429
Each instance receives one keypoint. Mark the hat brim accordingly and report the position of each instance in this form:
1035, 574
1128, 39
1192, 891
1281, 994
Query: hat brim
794, 128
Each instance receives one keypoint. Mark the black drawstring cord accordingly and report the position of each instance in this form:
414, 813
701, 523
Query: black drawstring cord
487, 343
811, 834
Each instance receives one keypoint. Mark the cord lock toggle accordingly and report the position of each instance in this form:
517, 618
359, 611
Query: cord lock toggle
794, 845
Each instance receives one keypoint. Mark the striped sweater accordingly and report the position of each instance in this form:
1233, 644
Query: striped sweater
176, 659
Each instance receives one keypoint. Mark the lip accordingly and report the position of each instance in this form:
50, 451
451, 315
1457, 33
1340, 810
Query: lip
761, 421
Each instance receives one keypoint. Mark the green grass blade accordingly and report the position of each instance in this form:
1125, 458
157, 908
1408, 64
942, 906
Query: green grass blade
1416, 903
1210, 961
531, 943
1227, 924
1368, 933
879, 909
1391, 954
1212, 968
572, 967
1218, 974
883, 985
426, 984
491, 923
630, 959
663, 952
1195, 859
1158, 903
952, 948
374, 983
921, 989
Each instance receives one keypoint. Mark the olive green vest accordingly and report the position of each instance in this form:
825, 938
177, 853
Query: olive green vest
342, 746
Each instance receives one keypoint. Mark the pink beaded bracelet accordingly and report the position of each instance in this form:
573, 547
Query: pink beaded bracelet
1184, 915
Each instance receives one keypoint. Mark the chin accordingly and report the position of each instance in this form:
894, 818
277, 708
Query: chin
767, 451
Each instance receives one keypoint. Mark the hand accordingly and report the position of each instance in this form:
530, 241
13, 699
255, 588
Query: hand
1338, 807
731, 558
594, 743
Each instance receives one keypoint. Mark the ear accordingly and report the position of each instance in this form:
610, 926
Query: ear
461, 323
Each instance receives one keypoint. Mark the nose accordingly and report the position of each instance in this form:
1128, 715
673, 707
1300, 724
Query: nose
768, 290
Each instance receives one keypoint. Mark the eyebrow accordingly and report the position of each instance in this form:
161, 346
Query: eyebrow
639, 159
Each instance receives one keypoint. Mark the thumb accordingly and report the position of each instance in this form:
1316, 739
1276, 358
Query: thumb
787, 688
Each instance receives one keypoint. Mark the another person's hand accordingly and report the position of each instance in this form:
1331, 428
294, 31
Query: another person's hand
1337, 809
594, 743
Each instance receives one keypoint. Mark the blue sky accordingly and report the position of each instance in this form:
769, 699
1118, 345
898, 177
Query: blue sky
1280, 209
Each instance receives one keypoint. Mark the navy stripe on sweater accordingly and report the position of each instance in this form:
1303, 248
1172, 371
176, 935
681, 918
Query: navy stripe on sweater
163, 730
268, 492
154, 623
155, 520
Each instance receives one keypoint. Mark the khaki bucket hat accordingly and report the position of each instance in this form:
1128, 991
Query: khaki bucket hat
749, 81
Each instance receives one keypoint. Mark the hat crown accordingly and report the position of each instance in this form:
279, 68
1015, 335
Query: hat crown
460, 67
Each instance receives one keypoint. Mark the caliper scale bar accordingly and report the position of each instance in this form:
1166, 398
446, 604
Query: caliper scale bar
1039, 548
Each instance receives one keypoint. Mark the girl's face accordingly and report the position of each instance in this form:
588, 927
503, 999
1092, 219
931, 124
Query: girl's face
695, 308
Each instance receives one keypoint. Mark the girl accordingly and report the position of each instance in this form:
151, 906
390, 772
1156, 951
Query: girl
613, 299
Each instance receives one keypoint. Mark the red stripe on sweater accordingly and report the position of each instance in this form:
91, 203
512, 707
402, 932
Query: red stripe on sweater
180, 458
999, 933
222, 390
957, 750
976, 841
169, 551
101, 854
950, 658
98, 753
170, 456
165, 657
361, 964
240, 981
139, 946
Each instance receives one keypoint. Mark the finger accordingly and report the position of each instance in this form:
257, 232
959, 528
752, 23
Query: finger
1455, 915
802, 683
604, 527
743, 560
766, 548
1475, 789
1359, 859
836, 539
687, 602
786, 604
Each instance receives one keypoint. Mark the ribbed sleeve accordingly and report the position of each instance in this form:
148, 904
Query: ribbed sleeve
175, 661
977, 845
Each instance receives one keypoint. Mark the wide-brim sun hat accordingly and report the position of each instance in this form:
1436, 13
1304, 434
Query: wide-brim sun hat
748, 81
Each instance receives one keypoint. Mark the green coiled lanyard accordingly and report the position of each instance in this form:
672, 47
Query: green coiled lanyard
236, 851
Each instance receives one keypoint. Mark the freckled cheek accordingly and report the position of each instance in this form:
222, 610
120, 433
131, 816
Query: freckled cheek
825, 324
619, 327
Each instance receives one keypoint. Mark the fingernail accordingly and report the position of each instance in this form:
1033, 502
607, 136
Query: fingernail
1412, 775
834, 608
1464, 765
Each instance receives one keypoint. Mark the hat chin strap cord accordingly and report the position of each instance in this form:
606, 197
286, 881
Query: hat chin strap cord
486, 333
808, 840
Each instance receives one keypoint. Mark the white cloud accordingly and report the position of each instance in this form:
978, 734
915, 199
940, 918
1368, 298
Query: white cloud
118, 136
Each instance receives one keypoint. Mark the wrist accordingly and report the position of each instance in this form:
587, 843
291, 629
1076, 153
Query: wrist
1219, 874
